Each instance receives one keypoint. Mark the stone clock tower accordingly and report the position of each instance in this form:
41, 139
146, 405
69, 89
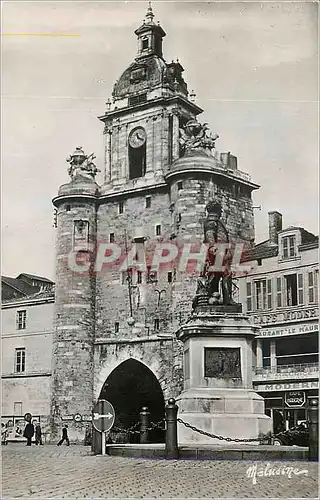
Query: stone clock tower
115, 324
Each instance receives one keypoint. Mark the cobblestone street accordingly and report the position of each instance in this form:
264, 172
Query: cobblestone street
72, 472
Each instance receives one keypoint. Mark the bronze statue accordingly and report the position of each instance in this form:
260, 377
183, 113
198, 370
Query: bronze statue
195, 136
210, 278
82, 164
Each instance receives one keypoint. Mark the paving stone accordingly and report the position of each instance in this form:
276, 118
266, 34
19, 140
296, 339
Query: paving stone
48, 472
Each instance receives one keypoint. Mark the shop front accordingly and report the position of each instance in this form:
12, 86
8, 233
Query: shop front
287, 403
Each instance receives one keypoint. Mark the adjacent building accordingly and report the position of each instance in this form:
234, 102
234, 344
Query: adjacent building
27, 330
280, 294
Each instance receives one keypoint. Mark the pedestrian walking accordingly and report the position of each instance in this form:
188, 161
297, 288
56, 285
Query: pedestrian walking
28, 433
64, 436
38, 434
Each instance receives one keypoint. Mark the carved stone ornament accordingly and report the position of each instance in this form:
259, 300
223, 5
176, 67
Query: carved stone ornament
194, 136
82, 164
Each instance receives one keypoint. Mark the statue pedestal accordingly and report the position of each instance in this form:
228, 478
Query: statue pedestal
218, 396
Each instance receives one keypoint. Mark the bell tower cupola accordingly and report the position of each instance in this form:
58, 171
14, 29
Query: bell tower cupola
149, 36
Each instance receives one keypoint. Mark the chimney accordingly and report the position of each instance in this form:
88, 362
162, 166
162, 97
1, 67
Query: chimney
275, 225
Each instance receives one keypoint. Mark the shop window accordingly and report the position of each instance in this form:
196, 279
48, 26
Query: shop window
21, 320
291, 290
249, 297
20, 360
288, 244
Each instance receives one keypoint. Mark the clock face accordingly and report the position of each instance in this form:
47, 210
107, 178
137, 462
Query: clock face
137, 137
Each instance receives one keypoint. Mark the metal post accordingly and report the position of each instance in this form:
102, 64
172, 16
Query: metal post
103, 443
171, 429
313, 430
144, 424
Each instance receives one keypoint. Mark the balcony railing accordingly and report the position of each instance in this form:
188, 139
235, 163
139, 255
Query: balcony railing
286, 371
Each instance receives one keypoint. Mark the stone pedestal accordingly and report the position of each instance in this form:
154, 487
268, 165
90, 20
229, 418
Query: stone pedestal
218, 396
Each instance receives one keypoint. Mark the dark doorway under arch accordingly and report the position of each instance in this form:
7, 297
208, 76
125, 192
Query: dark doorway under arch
129, 387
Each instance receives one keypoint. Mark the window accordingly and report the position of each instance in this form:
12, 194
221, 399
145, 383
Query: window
300, 289
288, 247
279, 293
169, 277
80, 232
17, 408
139, 277
313, 287
121, 207
249, 297
158, 230
259, 262
116, 327
269, 294
111, 237
124, 278
137, 99
20, 360
148, 201
145, 43
263, 294
156, 324
21, 320
291, 290
180, 186
151, 275
68, 208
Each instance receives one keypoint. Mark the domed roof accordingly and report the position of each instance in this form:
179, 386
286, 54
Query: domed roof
196, 160
80, 185
142, 75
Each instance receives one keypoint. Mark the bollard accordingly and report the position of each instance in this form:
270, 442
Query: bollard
313, 430
171, 429
144, 424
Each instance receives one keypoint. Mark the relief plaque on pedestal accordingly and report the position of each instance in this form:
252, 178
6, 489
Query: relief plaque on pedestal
222, 362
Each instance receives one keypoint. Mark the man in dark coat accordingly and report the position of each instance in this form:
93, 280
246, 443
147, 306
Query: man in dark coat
28, 432
64, 436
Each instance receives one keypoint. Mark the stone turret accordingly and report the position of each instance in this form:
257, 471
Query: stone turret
74, 320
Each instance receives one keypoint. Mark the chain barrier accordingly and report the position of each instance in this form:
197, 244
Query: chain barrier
132, 429
222, 438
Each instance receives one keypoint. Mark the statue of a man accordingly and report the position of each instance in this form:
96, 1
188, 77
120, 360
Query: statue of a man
215, 233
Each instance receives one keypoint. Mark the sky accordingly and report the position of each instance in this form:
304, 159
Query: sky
253, 66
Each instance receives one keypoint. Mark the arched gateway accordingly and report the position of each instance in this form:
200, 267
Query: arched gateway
129, 387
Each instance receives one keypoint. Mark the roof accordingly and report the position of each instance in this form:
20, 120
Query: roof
262, 250
19, 285
44, 294
267, 249
34, 277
